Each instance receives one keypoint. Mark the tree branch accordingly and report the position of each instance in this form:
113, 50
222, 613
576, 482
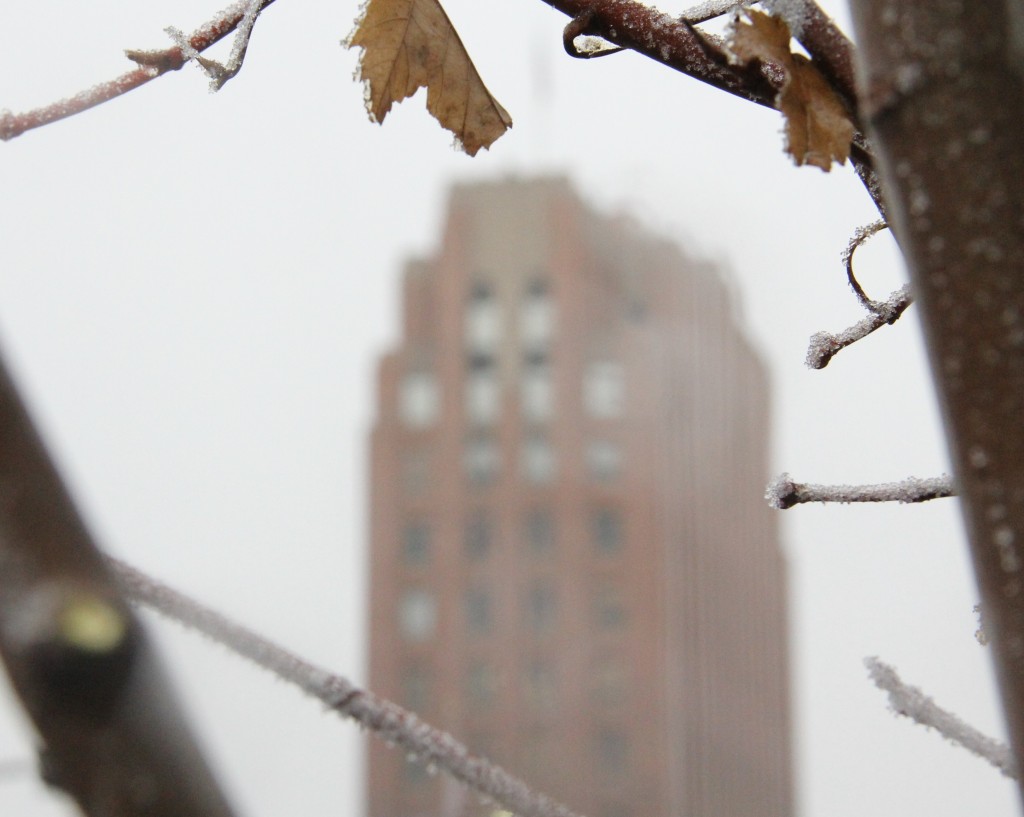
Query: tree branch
783, 493
78, 658
824, 345
151, 64
388, 720
912, 703
943, 94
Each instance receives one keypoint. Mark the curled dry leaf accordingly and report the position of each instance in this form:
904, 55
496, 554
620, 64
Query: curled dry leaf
818, 129
411, 44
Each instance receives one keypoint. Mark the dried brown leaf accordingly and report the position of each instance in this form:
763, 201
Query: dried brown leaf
411, 44
818, 129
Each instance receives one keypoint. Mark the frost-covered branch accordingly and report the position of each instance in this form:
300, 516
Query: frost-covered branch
912, 703
150, 65
430, 746
824, 345
710, 9
861, 235
783, 493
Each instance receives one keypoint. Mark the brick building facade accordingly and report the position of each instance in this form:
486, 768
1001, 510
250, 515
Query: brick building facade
572, 569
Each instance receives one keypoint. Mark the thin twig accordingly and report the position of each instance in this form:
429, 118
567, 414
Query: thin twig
824, 345
151, 64
912, 703
861, 235
390, 722
783, 492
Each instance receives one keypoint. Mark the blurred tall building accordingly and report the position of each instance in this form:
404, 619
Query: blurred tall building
572, 568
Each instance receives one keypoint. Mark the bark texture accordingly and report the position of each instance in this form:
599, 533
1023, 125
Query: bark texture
942, 95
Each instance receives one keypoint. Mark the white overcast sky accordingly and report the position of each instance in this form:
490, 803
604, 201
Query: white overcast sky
194, 289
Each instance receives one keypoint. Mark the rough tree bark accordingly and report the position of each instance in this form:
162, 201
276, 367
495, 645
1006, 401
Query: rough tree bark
942, 96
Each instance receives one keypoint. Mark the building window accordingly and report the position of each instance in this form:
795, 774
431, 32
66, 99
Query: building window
483, 395
415, 472
604, 389
604, 460
609, 610
481, 460
481, 684
419, 400
538, 459
479, 534
606, 529
413, 770
536, 318
539, 687
540, 531
416, 689
479, 618
416, 544
608, 681
417, 615
541, 608
536, 391
612, 750
483, 319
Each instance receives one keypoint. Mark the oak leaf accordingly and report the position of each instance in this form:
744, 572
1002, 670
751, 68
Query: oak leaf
411, 44
818, 128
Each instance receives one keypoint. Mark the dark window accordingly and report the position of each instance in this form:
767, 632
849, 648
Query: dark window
479, 618
541, 608
609, 612
416, 543
481, 459
540, 530
416, 688
607, 530
612, 750
481, 684
539, 687
414, 770
479, 533
609, 681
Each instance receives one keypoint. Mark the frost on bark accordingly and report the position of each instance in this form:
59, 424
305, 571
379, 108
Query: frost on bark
943, 91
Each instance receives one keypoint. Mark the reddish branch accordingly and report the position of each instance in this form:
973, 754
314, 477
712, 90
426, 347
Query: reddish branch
151, 64
78, 658
675, 42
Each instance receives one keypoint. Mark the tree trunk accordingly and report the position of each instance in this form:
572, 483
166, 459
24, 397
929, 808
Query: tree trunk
943, 95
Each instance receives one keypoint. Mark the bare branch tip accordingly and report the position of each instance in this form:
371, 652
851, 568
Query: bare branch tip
781, 492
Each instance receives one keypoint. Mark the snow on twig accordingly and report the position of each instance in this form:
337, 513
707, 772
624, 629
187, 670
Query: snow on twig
860, 235
824, 345
396, 726
784, 493
150, 65
912, 703
710, 9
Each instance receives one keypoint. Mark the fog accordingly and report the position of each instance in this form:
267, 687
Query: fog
195, 287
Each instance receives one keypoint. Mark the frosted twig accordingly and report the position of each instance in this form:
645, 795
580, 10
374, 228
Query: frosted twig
219, 73
710, 9
824, 345
783, 493
912, 703
389, 721
150, 65
860, 235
